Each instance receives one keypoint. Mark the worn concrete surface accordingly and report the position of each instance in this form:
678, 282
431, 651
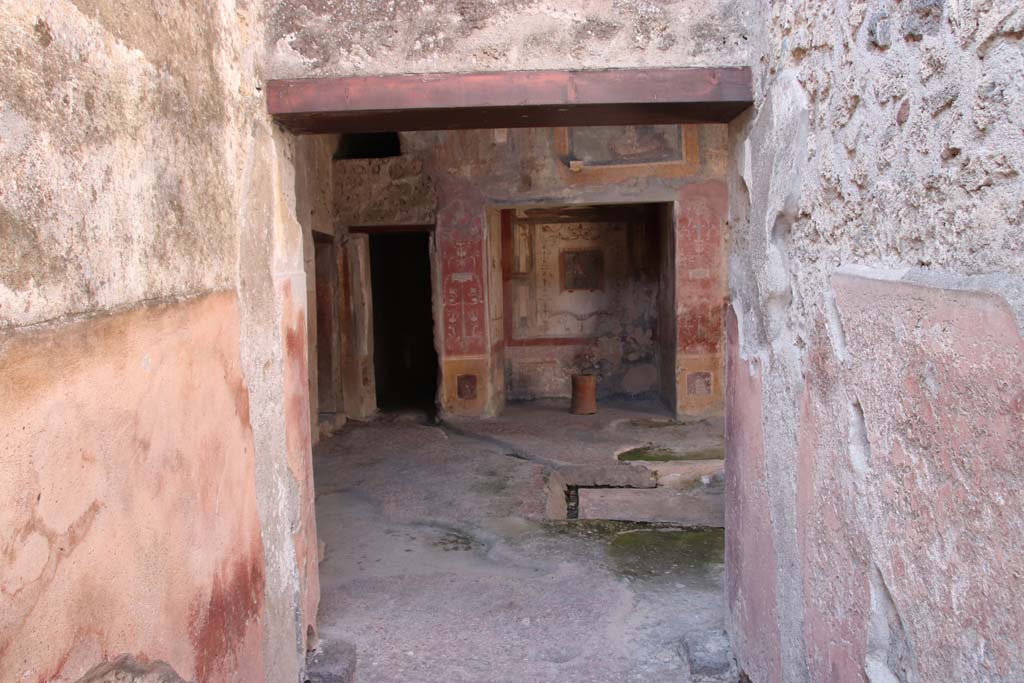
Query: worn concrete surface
440, 566
332, 661
544, 430
709, 656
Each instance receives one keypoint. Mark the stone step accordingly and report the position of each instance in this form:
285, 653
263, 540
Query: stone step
334, 661
665, 505
617, 475
566, 477
709, 657
685, 474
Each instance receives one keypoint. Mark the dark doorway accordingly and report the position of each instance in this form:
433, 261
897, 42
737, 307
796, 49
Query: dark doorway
405, 360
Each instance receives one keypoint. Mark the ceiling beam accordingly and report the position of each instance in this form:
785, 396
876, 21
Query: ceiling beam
512, 99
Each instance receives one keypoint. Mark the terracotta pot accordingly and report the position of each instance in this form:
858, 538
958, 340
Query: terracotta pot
584, 395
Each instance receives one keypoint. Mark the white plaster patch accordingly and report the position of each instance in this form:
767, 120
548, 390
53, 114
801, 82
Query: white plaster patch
15, 133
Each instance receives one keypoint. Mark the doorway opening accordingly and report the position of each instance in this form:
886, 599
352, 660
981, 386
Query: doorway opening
405, 360
554, 543
534, 506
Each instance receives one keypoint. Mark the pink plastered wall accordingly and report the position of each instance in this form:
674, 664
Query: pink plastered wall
130, 523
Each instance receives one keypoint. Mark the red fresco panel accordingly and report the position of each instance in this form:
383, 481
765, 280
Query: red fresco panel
702, 213
461, 244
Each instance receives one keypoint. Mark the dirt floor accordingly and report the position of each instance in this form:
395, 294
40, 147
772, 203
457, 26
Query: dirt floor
441, 563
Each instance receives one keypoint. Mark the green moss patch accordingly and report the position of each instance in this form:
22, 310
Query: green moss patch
653, 423
650, 553
655, 453
455, 541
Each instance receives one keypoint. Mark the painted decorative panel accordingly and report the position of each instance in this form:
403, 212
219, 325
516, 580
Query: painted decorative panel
522, 249
618, 145
465, 314
582, 269
587, 299
588, 302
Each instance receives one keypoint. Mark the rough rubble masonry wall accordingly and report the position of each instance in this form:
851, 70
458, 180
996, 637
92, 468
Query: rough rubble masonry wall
155, 498
875, 272
345, 37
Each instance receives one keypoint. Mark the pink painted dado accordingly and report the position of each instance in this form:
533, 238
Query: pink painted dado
130, 523
702, 212
932, 485
297, 442
749, 552
908, 443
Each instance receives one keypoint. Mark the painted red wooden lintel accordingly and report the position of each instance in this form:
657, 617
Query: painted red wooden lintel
513, 99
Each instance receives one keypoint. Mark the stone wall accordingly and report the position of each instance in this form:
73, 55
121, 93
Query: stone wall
875, 274
331, 37
157, 499
387, 191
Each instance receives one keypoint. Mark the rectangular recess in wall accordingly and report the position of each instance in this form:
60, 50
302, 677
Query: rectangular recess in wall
465, 387
587, 253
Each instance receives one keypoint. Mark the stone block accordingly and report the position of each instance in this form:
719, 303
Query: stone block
334, 661
660, 505
684, 474
126, 669
709, 656
620, 476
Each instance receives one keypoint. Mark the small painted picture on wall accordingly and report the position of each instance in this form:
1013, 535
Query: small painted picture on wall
615, 145
582, 269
